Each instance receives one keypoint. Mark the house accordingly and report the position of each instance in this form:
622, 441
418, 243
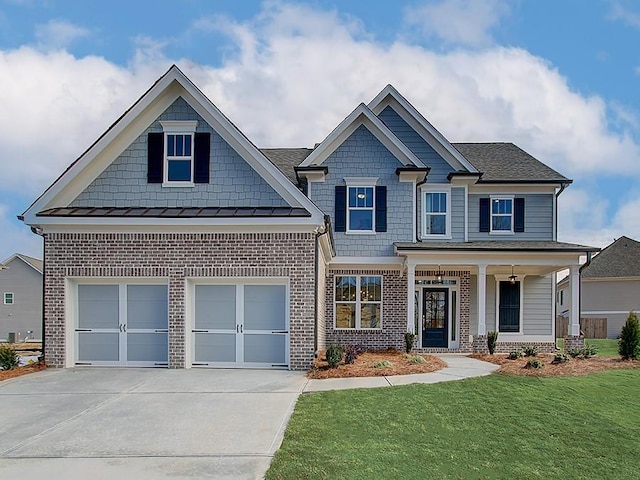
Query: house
174, 241
21, 289
610, 285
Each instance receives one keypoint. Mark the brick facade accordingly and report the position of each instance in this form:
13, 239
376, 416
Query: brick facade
177, 257
480, 345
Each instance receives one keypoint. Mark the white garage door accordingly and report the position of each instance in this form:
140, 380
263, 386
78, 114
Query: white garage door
241, 325
122, 325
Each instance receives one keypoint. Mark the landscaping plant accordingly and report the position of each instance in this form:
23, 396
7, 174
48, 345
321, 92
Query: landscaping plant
9, 358
560, 358
629, 343
409, 338
533, 363
334, 355
492, 340
514, 355
530, 350
351, 352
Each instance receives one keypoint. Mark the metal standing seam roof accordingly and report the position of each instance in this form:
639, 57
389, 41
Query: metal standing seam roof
175, 212
620, 259
505, 246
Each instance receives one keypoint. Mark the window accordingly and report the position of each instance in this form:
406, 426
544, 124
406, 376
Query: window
178, 152
509, 307
8, 298
361, 209
358, 302
501, 215
436, 219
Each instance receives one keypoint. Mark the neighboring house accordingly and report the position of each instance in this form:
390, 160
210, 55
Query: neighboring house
610, 285
173, 240
21, 304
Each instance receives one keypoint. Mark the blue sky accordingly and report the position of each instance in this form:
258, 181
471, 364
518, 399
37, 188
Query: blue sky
559, 78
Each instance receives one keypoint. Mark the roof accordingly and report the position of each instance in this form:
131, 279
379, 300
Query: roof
504, 246
506, 162
176, 212
286, 159
34, 263
619, 259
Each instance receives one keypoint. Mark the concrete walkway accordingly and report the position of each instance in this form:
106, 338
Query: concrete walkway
459, 367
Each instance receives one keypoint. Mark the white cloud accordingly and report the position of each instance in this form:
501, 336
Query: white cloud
458, 22
58, 34
624, 14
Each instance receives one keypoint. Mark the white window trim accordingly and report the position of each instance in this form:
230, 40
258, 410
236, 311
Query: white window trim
176, 127
13, 298
434, 188
367, 182
505, 278
358, 302
501, 197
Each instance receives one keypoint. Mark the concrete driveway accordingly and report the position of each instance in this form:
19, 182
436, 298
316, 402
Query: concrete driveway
104, 423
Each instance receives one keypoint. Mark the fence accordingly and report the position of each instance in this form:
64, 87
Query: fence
590, 327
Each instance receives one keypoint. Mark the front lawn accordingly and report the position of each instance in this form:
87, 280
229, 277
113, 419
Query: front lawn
491, 427
607, 347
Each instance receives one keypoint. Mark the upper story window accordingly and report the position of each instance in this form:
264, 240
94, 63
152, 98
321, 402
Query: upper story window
178, 152
8, 298
436, 213
360, 206
501, 214
361, 209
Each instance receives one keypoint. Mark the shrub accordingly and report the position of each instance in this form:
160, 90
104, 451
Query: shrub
589, 351
351, 352
530, 350
560, 358
629, 343
417, 359
9, 358
334, 355
409, 338
575, 352
492, 339
533, 363
514, 355
383, 364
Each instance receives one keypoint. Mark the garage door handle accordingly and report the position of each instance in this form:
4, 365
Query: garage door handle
199, 331
238, 328
162, 330
83, 330
280, 331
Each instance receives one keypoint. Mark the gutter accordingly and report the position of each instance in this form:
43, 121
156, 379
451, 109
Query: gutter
418, 184
327, 230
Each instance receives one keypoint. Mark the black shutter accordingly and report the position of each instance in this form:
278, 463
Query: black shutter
518, 217
155, 157
202, 147
381, 209
484, 215
341, 208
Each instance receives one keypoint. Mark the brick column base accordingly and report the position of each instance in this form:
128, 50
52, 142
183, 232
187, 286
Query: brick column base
572, 341
480, 344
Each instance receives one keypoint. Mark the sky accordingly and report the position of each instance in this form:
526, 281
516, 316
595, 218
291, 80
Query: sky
561, 79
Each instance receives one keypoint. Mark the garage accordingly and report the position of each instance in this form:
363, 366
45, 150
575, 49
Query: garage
243, 324
122, 324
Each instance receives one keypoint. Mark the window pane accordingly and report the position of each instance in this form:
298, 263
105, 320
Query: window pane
368, 192
502, 206
501, 222
352, 196
371, 289
345, 289
345, 315
187, 145
436, 225
179, 145
361, 220
171, 150
370, 315
436, 202
179, 171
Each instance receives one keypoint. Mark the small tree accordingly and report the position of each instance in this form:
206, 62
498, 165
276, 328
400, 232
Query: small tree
492, 340
629, 343
409, 338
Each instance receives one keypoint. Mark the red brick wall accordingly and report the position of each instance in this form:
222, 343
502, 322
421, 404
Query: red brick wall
176, 257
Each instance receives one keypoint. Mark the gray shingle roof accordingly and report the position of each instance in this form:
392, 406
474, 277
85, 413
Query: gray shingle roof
286, 159
506, 162
512, 246
620, 259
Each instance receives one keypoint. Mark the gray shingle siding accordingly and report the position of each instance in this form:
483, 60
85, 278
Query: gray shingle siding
232, 181
362, 155
26, 312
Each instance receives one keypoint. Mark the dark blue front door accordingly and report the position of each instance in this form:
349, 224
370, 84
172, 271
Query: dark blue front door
435, 317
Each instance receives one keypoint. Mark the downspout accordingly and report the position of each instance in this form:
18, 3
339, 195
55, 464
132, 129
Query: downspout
418, 239
586, 264
327, 230
562, 187
38, 231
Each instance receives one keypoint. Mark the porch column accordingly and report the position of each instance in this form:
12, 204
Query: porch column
411, 287
482, 299
574, 313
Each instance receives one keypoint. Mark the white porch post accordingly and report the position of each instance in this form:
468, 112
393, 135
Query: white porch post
411, 287
482, 299
574, 313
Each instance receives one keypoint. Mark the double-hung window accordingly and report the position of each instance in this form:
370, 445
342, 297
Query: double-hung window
361, 209
358, 302
437, 213
8, 298
501, 214
178, 152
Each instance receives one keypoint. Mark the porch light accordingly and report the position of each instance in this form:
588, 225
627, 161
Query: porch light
439, 276
361, 196
512, 277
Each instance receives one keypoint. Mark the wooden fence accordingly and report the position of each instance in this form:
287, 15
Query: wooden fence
590, 327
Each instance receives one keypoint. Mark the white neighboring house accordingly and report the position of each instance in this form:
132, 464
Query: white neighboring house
21, 303
610, 285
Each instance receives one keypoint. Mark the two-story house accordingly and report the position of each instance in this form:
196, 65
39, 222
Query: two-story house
174, 241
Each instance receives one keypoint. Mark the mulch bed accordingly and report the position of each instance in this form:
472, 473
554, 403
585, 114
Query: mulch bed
16, 372
574, 367
364, 366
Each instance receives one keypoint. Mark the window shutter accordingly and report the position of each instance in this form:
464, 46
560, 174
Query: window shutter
341, 209
518, 215
155, 157
484, 215
381, 209
202, 147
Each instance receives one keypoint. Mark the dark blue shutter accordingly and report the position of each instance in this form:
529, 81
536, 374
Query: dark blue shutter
202, 147
341, 209
518, 217
155, 157
381, 209
484, 215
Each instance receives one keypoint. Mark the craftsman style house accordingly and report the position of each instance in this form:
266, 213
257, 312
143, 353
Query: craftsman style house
174, 241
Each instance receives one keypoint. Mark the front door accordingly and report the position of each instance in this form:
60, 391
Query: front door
435, 317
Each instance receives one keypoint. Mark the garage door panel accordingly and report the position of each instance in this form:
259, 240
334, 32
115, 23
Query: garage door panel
270, 349
265, 307
147, 347
147, 306
215, 347
215, 307
98, 347
98, 306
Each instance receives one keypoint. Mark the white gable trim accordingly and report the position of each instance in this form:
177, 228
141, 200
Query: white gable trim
389, 96
17, 256
362, 116
131, 125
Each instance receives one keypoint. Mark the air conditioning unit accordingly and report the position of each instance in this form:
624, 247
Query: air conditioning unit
13, 337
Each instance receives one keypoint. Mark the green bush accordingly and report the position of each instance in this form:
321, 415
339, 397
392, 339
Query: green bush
383, 364
629, 343
530, 350
417, 359
574, 352
533, 363
409, 338
492, 340
589, 351
560, 358
9, 358
334, 355
514, 355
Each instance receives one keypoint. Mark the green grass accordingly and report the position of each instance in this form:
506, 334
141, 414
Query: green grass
606, 347
491, 427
